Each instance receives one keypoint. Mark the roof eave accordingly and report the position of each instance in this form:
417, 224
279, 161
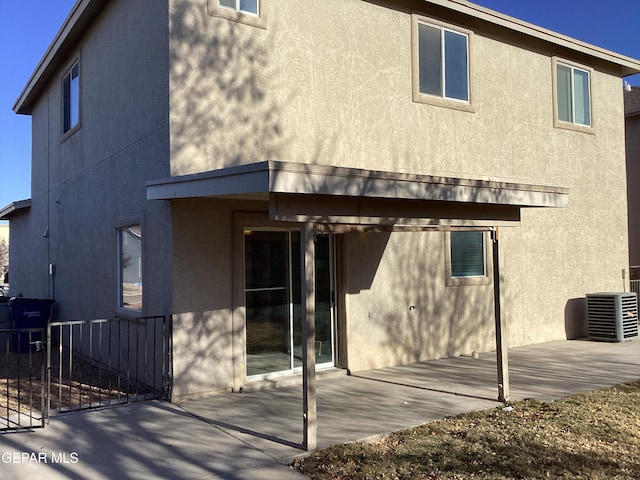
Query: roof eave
14, 207
84, 13
80, 18
628, 66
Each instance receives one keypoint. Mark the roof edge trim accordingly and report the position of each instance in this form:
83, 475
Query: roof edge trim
7, 212
630, 66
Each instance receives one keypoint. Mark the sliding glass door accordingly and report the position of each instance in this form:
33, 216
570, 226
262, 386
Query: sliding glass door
272, 299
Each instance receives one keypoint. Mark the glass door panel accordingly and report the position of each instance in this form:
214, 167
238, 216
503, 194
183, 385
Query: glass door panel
324, 300
273, 301
268, 340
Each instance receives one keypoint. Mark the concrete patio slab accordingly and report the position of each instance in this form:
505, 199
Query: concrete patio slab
251, 435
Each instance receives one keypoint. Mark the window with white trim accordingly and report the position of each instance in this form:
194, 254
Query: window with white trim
467, 261
130, 267
246, 6
573, 94
71, 98
443, 62
249, 12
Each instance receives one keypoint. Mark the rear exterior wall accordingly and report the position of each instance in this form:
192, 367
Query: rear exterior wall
330, 83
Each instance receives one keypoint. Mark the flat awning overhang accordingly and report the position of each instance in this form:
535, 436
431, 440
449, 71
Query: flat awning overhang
339, 196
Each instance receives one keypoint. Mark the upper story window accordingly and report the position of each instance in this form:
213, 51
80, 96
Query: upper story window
572, 91
71, 98
251, 12
248, 6
441, 67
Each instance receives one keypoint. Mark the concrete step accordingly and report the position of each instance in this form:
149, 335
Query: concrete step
289, 380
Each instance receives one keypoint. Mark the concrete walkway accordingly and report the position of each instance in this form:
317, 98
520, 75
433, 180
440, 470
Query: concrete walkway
251, 435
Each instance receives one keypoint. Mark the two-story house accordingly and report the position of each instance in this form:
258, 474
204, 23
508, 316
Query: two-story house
204, 158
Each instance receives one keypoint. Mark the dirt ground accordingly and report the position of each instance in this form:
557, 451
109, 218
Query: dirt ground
77, 384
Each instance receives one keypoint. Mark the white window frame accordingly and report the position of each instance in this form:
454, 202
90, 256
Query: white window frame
259, 19
121, 306
572, 125
238, 7
71, 102
440, 100
483, 279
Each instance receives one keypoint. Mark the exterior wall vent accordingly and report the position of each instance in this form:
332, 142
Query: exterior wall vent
612, 317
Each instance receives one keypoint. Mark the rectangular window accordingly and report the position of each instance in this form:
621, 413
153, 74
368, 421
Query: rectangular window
467, 254
130, 267
247, 6
573, 94
248, 12
443, 62
71, 98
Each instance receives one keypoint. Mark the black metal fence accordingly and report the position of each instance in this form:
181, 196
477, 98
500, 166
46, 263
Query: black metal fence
78, 365
104, 362
22, 378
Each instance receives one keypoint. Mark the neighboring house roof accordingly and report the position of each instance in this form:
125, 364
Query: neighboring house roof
632, 102
85, 12
14, 207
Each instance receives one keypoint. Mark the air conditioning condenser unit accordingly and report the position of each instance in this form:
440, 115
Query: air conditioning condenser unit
612, 317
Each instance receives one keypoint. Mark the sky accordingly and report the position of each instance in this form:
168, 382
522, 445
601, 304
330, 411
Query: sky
27, 27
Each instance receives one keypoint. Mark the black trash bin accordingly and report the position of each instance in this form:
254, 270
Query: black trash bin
29, 313
6, 339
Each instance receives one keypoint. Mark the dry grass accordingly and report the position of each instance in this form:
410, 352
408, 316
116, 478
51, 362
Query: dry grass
594, 435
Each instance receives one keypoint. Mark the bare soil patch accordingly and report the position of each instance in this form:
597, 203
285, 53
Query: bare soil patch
81, 384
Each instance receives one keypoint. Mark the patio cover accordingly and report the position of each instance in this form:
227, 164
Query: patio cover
343, 199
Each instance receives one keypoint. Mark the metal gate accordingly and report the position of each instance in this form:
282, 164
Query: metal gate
22, 378
78, 365
96, 363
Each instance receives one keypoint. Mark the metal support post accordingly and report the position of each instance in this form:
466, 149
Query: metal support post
307, 260
501, 347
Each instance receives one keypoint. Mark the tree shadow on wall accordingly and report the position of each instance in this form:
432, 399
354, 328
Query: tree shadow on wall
224, 102
432, 320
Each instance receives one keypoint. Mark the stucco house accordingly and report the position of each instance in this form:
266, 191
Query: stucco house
203, 158
632, 138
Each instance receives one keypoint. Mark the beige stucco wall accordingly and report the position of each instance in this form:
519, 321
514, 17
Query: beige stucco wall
632, 135
87, 184
330, 83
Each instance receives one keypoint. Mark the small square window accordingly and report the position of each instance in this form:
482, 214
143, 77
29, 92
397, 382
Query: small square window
466, 258
130, 267
71, 98
467, 254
